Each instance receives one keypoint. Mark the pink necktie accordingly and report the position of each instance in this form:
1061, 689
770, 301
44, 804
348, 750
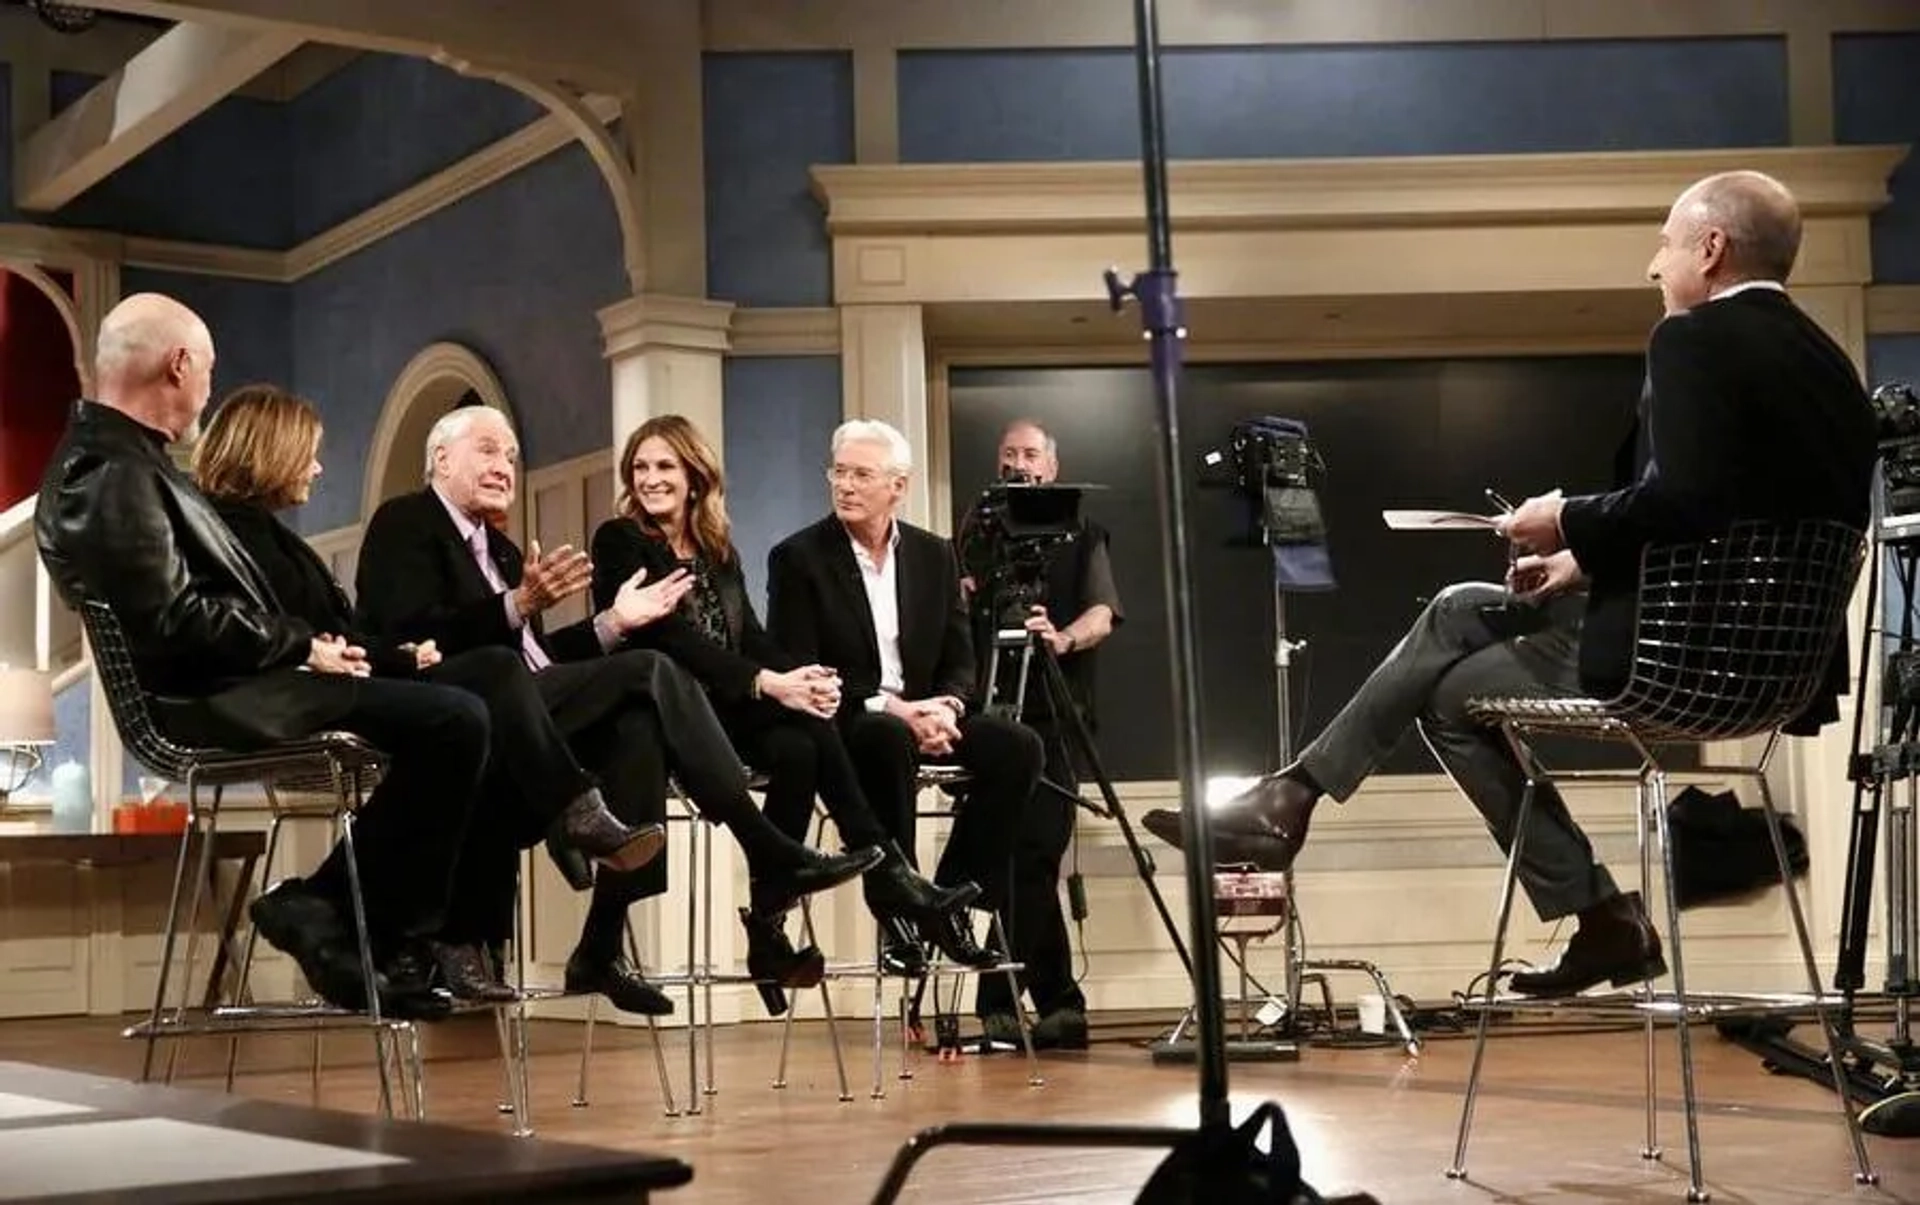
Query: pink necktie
536, 657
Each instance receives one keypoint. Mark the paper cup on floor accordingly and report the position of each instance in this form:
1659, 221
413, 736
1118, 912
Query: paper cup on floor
1373, 1012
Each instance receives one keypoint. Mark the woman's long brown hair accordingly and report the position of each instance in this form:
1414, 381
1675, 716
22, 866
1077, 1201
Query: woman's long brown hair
707, 524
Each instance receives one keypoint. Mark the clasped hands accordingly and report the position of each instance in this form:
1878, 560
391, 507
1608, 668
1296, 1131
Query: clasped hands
553, 577
811, 689
1541, 565
330, 654
935, 722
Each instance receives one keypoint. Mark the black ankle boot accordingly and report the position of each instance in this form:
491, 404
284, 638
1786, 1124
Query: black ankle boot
895, 888
774, 963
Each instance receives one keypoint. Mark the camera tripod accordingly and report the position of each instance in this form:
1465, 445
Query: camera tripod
1016, 649
1882, 1077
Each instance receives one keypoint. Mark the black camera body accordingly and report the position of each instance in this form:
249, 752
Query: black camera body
1010, 540
1896, 407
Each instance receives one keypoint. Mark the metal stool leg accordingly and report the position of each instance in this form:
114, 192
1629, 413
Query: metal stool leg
243, 993
1459, 1169
203, 871
1656, 797
362, 936
1651, 1149
172, 930
1863, 1167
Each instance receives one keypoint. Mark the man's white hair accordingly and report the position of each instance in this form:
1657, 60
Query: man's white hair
452, 426
873, 431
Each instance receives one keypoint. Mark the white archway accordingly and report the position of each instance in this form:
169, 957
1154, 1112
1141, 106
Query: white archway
69, 310
432, 383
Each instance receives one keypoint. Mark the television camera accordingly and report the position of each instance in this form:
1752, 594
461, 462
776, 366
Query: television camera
1009, 540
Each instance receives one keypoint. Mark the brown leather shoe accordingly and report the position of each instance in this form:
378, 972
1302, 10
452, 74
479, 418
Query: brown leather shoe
1616, 943
1265, 825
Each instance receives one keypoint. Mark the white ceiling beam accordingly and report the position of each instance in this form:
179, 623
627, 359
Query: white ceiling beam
589, 43
182, 74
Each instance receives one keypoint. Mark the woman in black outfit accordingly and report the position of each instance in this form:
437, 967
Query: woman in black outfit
780, 716
259, 454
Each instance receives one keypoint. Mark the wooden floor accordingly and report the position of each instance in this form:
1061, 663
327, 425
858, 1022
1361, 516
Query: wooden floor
1559, 1120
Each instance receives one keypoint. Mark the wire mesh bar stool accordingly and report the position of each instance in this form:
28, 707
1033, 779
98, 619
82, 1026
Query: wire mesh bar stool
324, 776
1733, 638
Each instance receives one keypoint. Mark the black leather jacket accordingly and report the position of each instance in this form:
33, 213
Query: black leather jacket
117, 522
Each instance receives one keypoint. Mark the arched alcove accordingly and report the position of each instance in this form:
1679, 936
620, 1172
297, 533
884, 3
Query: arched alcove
439, 378
42, 369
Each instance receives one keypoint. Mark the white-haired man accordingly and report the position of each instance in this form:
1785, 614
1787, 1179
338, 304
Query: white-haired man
435, 566
878, 599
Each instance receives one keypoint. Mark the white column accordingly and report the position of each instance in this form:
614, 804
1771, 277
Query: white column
665, 354
883, 375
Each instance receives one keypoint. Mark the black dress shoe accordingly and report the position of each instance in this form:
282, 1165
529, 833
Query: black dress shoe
1264, 825
952, 933
587, 826
307, 927
778, 889
1061, 1029
1616, 943
464, 970
895, 888
901, 954
619, 982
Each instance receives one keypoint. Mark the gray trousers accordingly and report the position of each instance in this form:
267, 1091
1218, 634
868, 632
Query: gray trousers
1453, 653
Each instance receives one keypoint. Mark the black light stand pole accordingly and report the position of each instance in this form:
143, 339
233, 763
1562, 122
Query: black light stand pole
1159, 299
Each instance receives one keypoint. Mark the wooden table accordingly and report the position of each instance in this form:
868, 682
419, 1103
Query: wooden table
134, 849
80, 1139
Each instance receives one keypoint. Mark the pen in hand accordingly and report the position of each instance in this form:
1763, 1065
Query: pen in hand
1494, 497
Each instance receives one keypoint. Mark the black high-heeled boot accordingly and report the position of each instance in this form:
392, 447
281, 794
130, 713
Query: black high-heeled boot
775, 964
895, 888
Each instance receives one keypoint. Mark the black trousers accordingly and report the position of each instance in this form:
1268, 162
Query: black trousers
1036, 924
531, 776
409, 836
802, 757
632, 717
1002, 758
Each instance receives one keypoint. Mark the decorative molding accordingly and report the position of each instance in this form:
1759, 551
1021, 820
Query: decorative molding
785, 331
996, 234
1893, 309
634, 325
1307, 194
205, 259
490, 164
753, 25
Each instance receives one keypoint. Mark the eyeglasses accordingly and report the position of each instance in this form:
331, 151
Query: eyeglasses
858, 474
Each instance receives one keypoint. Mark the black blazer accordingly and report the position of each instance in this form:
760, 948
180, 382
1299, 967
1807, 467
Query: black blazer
621, 549
817, 611
304, 585
1750, 412
418, 581
116, 522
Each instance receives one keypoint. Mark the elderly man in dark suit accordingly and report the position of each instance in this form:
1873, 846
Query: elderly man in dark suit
222, 665
1750, 412
878, 600
434, 566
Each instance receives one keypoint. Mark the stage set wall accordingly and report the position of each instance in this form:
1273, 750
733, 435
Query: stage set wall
526, 273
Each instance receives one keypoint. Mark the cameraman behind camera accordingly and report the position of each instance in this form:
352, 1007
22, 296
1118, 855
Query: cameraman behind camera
1071, 606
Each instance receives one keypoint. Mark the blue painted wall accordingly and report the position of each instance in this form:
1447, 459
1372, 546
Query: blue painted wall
766, 119
1893, 358
384, 122
780, 412
1876, 99
1304, 101
251, 322
515, 272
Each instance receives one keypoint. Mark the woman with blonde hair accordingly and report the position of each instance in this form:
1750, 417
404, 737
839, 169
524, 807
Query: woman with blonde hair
673, 515
260, 454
